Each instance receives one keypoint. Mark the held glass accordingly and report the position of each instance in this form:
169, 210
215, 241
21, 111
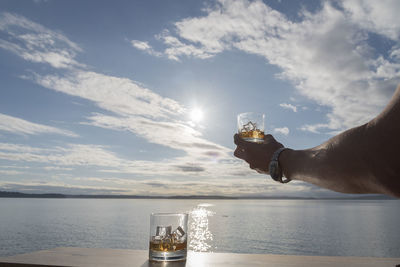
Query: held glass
168, 236
251, 126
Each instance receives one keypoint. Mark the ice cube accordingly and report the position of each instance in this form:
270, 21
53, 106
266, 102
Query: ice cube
156, 238
163, 231
178, 235
179, 232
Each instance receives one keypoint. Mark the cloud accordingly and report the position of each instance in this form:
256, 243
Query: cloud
216, 179
161, 187
327, 55
176, 48
35, 43
173, 134
19, 126
99, 159
70, 155
10, 172
381, 19
288, 106
56, 168
283, 130
144, 46
314, 128
122, 96
13, 167
141, 45
136, 109
190, 168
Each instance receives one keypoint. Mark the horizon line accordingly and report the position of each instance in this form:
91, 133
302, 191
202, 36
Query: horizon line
14, 194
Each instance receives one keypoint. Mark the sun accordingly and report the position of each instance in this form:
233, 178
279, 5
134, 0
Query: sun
196, 115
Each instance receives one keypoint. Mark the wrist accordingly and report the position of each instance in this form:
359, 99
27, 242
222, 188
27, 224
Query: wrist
286, 162
299, 164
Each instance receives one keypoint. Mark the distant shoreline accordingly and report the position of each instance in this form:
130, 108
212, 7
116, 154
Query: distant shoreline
6, 194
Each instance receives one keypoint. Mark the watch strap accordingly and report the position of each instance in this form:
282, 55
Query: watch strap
275, 170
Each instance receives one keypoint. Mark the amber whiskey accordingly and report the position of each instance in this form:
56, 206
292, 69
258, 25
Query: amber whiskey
251, 133
167, 245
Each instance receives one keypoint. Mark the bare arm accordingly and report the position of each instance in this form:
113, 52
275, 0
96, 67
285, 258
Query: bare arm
364, 159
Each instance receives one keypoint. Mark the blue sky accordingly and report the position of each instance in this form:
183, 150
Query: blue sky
96, 97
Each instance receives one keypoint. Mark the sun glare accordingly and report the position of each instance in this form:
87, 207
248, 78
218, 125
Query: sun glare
196, 115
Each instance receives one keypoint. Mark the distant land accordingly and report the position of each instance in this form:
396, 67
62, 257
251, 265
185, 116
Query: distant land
6, 194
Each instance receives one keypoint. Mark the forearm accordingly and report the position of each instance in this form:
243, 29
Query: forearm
364, 159
345, 163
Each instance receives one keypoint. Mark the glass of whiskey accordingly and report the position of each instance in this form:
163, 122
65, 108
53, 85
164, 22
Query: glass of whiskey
168, 236
251, 126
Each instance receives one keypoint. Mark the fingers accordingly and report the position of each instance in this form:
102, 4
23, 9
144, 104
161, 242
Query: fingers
256, 154
268, 139
237, 140
240, 153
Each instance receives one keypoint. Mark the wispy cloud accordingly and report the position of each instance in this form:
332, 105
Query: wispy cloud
327, 55
57, 168
101, 160
35, 43
381, 19
144, 46
70, 155
19, 126
283, 130
13, 167
122, 96
288, 106
177, 48
137, 110
173, 134
314, 128
10, 172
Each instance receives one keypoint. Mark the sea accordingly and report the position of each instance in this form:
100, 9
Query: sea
293, 227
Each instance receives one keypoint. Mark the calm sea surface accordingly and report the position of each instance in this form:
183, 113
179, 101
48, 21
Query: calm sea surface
302, 227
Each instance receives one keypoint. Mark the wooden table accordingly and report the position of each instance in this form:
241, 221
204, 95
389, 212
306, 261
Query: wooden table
98, 257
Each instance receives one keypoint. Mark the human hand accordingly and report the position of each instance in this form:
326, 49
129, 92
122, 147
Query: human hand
256, 155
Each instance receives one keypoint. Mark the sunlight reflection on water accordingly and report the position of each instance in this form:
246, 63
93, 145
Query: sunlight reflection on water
200, 236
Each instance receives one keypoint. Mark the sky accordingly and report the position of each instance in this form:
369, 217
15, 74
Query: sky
141, 97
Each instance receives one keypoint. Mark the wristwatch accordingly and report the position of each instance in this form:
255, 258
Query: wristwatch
275, 170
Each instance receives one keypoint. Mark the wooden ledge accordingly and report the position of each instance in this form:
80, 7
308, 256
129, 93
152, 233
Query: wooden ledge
98, 257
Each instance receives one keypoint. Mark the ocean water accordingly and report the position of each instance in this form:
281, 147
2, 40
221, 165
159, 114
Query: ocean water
296, 227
